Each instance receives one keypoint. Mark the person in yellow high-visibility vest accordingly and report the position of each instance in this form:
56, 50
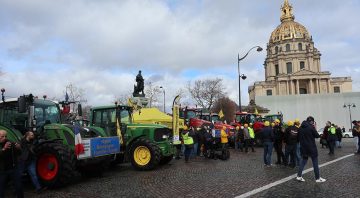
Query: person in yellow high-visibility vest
224, 137
252, 136
332, 138
188, 143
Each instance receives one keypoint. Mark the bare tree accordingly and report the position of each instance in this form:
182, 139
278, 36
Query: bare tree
123, 98
152, 92
228, 108
206, 92
75, 95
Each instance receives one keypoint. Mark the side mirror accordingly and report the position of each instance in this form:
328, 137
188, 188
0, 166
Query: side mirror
79, 110
22, 104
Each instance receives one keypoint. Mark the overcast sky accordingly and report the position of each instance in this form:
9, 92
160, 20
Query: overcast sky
99, 46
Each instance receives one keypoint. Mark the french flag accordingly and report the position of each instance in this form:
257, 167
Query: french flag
79, 147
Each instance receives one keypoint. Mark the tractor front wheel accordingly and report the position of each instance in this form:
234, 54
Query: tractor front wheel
55, 164
144, 154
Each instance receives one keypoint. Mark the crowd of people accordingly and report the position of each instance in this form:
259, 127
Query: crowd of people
16, 159
202, 142
299, 141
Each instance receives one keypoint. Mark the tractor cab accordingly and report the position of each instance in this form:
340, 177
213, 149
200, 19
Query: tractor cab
106, 118
193, 117
27, 113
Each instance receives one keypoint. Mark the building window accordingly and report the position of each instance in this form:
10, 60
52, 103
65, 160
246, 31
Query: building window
302, 65
336, 89
300, 46
269, 92
276, 49
276, 70
289, 67
288, 47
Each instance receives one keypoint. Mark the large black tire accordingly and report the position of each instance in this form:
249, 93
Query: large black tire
144, 154
166, 159
55, 164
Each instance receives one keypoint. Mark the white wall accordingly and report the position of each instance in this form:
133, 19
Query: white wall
322, 107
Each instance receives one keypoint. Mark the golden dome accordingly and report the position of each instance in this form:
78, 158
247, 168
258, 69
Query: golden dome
288, 29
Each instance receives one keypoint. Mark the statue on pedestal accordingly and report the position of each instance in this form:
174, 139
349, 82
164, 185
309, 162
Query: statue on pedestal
139, 87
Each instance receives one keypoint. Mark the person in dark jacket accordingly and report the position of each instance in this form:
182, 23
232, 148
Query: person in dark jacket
267, 138
323, 138
291, 139
240, 137
339, 136
356, 134
28, 159
307, 134
278, 143
9, 153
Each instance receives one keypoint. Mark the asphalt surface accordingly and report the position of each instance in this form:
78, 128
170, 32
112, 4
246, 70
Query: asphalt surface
240, 174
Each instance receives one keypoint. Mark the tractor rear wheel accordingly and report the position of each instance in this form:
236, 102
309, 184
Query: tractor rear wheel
144, 154
55, 164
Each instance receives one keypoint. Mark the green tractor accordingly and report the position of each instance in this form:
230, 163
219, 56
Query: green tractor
57, 163
145, 145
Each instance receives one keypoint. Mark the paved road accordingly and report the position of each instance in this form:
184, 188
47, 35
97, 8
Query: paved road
216, 178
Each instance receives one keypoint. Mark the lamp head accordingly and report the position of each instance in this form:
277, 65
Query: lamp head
353, 105
259, 49
243, 77
344, 106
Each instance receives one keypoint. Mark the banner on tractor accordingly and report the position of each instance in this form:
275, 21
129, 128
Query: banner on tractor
101, 146
176, 120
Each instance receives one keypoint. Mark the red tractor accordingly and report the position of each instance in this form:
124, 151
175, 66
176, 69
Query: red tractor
242, 118
192, 117
218, 125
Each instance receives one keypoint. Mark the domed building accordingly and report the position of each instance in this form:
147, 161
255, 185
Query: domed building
292, 65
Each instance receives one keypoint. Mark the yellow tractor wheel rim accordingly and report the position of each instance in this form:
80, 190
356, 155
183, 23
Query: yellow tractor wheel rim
142, 155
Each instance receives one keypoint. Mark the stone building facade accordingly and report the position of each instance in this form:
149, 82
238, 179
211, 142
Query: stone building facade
292, 65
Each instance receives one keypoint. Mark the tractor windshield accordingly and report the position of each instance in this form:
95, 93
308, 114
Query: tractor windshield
246, 118
272, 118
107, 117
215, 118
46, 111
191, 114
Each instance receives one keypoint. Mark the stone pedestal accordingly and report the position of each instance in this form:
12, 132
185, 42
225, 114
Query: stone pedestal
139, 101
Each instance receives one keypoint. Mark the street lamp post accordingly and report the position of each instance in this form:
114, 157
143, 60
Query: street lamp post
242, 76
161, 87
349, 105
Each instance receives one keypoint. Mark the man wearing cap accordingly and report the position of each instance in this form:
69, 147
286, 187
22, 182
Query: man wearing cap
307, 134
291, 139
188, 143
267, 139
278, 143
252, 136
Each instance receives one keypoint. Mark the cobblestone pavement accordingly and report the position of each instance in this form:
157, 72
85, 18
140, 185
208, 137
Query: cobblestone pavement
215, 178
